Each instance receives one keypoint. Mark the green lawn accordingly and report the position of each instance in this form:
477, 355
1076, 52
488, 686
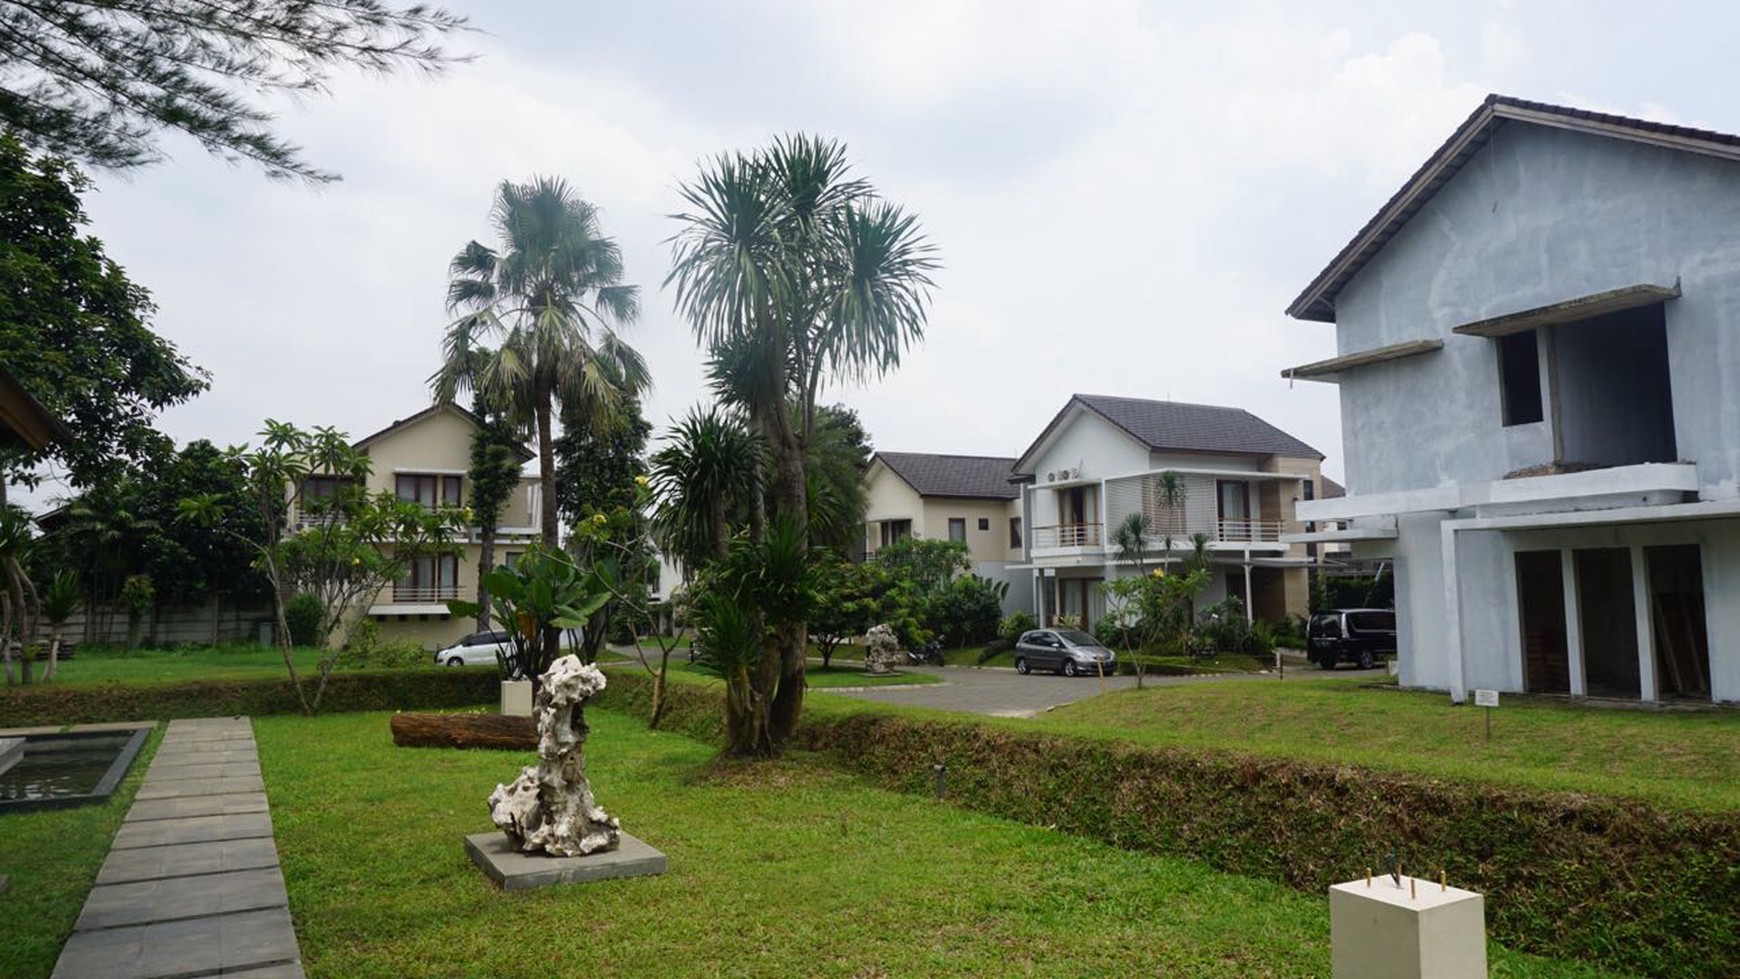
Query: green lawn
52, 858
1685, 759
101, 665
783, 869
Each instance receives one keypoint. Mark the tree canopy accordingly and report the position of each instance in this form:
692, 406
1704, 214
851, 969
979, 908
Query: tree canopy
98, 81
73, 328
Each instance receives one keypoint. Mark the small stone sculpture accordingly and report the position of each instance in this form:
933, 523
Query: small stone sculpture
881, 649
549, 808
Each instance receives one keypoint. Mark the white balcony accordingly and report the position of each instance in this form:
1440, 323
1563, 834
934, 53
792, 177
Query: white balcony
424, 594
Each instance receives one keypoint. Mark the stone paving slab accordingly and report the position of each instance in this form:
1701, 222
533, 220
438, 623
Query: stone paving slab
193, 829
176, 789
187, 859
199, 946
197, 805
208, 734
207, 753
289, 970
147, 901
203, 772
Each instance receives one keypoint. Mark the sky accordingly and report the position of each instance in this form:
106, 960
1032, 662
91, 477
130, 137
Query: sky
1124, 195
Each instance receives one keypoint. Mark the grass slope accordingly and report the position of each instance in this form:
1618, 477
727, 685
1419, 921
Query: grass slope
1688, 759
786, 869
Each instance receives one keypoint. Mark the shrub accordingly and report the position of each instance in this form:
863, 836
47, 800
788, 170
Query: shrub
302, 615
1011, 628
967, 611
373, 690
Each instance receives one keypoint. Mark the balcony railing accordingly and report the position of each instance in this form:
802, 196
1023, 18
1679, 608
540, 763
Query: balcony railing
424, 594
1068, 535
1251, 531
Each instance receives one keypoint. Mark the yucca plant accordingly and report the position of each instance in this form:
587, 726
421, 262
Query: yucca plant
60, 602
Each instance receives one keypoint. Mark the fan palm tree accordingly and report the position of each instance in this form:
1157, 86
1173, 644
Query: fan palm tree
792, 273
550, 297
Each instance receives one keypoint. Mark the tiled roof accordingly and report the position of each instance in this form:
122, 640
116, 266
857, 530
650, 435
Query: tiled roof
1176, 426
1317, 302
974, 477
1332, 490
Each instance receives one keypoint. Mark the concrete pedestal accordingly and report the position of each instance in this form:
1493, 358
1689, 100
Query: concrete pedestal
516, 871
1378, 930
11, 749
516, 698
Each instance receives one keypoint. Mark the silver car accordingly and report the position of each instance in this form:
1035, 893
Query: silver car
477, 649
1067, 651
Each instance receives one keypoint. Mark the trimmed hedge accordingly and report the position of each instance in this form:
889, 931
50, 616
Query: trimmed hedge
1615, 882
362, 690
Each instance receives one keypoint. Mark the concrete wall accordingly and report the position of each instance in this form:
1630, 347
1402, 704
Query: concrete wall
1540, 216
1098, 448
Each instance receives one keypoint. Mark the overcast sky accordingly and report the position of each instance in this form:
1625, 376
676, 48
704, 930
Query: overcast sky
1125, 195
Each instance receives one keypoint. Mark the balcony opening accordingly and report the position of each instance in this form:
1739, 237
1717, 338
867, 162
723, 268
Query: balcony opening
1540, 602
1519, 377
1608, 620
429, 490
1682, 647
1612, 394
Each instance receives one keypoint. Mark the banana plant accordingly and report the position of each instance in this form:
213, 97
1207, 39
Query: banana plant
543, 590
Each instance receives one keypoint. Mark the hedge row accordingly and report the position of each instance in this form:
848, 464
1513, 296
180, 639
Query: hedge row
363, 690
1571, 876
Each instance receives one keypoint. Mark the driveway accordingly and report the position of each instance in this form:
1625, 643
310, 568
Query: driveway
1005, 693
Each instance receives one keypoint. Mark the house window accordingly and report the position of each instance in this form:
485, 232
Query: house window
429, 579
431, 491
984, 523
895, 531
958, 528
1014, 531
1519, 377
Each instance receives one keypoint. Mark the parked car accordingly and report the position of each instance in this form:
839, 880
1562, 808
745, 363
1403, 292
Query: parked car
477, 649
1067, 651
1351, 635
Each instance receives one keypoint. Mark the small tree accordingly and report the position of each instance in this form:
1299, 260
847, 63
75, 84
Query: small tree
60, 602
351, 545
18, 602
138, 596
849, 600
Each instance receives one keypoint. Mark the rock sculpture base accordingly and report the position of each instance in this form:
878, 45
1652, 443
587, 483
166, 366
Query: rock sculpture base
549, 809
514, 871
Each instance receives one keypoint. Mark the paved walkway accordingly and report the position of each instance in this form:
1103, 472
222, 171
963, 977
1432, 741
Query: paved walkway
1002, 692
191, 886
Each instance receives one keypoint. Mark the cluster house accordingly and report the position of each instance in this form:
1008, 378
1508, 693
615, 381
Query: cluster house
1045, 521
1538, 348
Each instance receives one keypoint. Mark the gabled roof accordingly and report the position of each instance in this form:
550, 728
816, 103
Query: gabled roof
434, 409
1174, 426
24, 422
966, 477
1317, 302
1332, 490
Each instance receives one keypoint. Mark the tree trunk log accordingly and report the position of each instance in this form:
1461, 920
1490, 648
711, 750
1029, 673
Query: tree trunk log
492, 731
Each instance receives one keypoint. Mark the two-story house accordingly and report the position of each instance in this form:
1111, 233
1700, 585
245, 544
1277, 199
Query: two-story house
1537, 360
425, 458
1101, 459
949, 497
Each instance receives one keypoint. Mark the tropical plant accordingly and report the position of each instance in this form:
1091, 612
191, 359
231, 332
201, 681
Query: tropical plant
543, 593
1130, 539
18, 600
792, 273
968, 611
494, 474
60, 602
302, 616
704, 481
138, 596
550, 296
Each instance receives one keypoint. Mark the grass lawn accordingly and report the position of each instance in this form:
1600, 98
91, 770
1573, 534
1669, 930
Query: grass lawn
91, 665
52, 857
1677, 758
785, 869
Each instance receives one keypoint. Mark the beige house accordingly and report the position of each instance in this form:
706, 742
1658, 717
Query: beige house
426, 458
1102, 459
948, 497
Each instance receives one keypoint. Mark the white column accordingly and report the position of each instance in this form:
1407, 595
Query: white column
1250, 599
1453, 613
1573, 623
1645, 634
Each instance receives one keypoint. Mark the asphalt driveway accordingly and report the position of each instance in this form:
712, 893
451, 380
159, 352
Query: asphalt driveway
1005, 693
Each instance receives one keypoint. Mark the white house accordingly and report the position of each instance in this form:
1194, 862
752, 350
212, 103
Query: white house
1103, 458
1537, 360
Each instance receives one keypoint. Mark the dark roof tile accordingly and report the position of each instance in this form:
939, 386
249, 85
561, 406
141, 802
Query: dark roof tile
1176, 426
973, 477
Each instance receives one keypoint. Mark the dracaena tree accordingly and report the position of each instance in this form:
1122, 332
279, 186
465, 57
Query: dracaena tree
793, 273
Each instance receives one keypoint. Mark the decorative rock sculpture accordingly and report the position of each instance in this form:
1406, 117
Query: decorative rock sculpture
881, 649
549, 808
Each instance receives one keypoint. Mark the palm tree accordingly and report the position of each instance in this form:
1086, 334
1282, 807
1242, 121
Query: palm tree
704, 478
551, 297
60, 602
793, 273
1131, 539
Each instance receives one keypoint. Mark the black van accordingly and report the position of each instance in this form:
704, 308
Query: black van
1351, 635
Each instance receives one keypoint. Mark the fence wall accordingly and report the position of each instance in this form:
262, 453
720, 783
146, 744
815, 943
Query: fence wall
214, 622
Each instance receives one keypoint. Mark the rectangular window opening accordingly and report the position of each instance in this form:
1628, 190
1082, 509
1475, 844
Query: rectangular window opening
1519, 377
1014, 531
958, 528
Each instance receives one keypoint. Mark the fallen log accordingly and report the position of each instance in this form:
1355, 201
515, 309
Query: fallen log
492, 731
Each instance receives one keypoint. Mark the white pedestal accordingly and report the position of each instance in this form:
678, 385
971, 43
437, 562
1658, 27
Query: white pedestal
1379, 931
516, 698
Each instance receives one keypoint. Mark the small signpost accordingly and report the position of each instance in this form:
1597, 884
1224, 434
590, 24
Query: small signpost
1487, 699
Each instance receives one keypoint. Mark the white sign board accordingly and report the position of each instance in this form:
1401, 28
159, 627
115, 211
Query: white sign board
1486, 698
